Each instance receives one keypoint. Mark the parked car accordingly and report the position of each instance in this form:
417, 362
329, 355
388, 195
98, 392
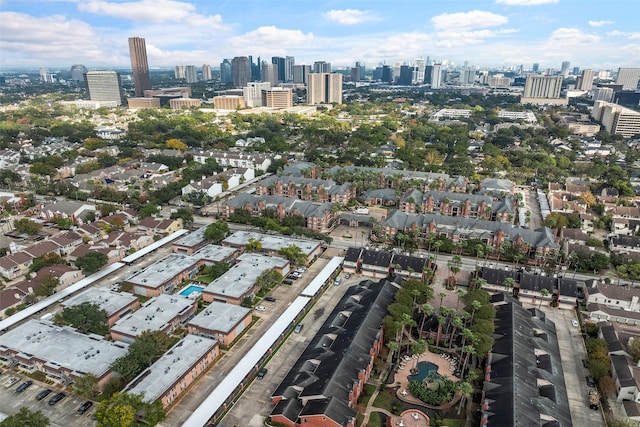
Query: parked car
262, 372
25, 385
11, 381
337, 281
261, 308
84, 407
575, 323
57, 398
43, 394
270, 299
347, 276
288, 282
591, 382
585, 363
298, 328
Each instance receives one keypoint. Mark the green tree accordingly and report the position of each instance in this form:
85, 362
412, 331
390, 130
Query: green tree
293, 253
268, 279
47, 286
148, 210
26, 226
253, 245
52, 258
128, 410
26, 417
217, 231
86, 317
86, 386
141, 353
92, 262
185, 214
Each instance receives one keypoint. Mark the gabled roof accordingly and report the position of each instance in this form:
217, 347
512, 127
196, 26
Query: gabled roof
377, 258
352, 255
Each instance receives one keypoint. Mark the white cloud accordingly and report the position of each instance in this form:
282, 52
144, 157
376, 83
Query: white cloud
572, 36
628, 35
599, 23
451, 39
525, 2
269, 40
152, 11
350, 16
467, 20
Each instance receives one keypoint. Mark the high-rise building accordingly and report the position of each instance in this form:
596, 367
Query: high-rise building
467, 76
585, 81
289, 62
603, 94
277, 97
363, 69
256, 69
436, 76
270, 73
280, 68
46, 77
355, 74
206, 72
536, 68
564, 70
252, 93
77, 72
543, 90
628, 78
428, 72
225, 71
419, 64
179, 72
387, 74
321, 67
617, 119
324, 88
241, 71
377, 73
139, 65
191, 73
575, 71
301, 73
406, 75
104, 86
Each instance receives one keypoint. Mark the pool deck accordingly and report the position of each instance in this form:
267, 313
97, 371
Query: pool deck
403, 372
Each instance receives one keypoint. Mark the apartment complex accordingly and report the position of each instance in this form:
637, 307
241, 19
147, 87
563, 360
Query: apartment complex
617, 119
543, 90
324, 88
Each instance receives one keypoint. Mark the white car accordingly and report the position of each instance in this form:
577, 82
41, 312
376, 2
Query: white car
575, 323
261, 308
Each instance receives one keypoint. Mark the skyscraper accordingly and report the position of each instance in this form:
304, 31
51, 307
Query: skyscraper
206, 72
363, 69
191, 73
564, 70
418, 76
240, 71
436, 76
387, 74
321, 67
139, 65
628, 78
179, 72
270, 73
535, 68
301, 73
279, 63
406, 75
324, 88
355, 74
543, 90
289, 62
225, 71
252, 93
104, 86
585, 81
77, 72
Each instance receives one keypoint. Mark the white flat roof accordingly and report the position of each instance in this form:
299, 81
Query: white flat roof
214, 253
271, 242
192, 239
154, 315
107, 300
219, 316
162, 271
154, 381
249, 362
155, 245
324, 275
62, 346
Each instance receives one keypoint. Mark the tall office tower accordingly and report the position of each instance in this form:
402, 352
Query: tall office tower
179, 72
324, 88
467, 76
43, 73
387, 74
406, 75
139, 65
77, 72
279, 63
628, 78
256, 69
225, 71
436, 76
321, 67
418, 75
362, 69
301, 73
355, 74
252, 93
270, 73
206, 72
585, 81
191, 73
289, 62
543, 90
241, 71
575, 71
46, 77
536, 68
428, 72
603, 94
104, 86
377, 73
564, 70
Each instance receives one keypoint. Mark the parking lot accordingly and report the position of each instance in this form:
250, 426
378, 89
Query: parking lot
62, 414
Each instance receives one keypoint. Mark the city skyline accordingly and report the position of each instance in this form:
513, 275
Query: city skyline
489, 33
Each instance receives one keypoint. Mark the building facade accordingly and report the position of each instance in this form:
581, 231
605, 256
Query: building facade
240, 71
324, 88
139, 64
104, 86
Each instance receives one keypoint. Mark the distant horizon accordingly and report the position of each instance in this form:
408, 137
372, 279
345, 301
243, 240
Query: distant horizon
489, 34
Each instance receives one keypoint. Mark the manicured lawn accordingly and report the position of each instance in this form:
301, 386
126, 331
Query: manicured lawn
367, 392
453, 422
375, 420
385, 400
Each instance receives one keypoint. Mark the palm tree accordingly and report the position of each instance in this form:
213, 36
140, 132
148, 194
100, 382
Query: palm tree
467, 350
406, 320
465, 390
545, 293
475, 306
418, 347
458, 324
459, 293
467, 335
437, 244
509, 282
393, 349
427, 311
442, 295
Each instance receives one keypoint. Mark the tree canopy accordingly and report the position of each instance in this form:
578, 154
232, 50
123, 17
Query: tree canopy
86, 317
217, 231
26, 417
92, 262
128, 410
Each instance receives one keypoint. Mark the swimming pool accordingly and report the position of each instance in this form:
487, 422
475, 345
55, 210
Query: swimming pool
191, 289
425, 370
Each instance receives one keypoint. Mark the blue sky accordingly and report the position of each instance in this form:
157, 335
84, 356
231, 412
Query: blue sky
487, 33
